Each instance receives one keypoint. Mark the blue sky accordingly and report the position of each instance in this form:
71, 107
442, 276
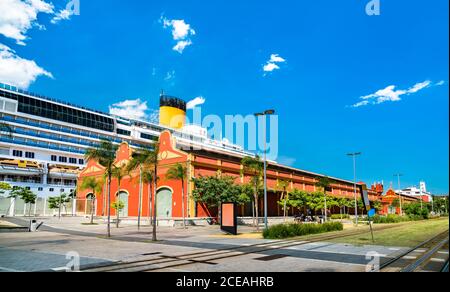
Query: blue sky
333, 54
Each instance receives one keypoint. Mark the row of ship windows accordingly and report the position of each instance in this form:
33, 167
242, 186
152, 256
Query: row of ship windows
67, 139
62, 159
51, 190
41, 108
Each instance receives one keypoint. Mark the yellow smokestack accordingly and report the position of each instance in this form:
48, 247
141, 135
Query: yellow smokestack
172, 112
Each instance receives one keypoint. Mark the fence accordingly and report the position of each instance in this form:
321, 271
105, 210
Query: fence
17, 207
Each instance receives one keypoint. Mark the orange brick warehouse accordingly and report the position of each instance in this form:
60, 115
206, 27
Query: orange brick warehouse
204, 162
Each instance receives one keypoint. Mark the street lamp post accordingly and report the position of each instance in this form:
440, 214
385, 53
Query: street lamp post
354, 155
264, 114
399, 192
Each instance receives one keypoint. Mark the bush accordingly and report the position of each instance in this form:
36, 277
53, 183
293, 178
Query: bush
339, 217
293, 230
392, 219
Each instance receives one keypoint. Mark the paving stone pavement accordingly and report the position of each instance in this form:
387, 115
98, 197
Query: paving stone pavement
47, 249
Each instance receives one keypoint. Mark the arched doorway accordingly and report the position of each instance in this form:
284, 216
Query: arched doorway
123, 197
164, 203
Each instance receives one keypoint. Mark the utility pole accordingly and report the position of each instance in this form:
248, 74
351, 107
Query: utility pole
264, 115
399, 192
354, 155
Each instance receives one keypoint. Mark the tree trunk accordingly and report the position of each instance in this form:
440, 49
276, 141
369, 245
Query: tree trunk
150, 203
93, 210
155, 185
182, 203
219, 211
140, 197
108, 207
253, 212
326, 210
118, 207
256, 212
285, 207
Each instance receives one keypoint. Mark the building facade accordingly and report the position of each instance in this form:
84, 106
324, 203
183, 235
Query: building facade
205, 162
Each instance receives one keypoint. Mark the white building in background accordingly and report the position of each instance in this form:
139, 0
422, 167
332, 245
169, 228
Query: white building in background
43, 150
420, 192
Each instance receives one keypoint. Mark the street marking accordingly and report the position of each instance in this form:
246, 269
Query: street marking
420, 250
437, 260
442, 252
409, 258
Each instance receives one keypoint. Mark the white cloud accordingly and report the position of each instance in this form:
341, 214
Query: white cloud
181, 32
391, 94
275, 58
181, 45
130, 109
440, 83
18, 71
271, 65
195, 102
63, 14
17, 17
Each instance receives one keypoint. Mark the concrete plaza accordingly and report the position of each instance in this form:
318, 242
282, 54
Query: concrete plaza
202, 249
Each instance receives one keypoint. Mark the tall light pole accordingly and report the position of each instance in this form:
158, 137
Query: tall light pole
264, 114
399, 175
354, 155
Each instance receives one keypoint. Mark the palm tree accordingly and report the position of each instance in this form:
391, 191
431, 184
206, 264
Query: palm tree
324, 183
179, 172
254, 166
105, 154
143, 159
119, 172
147, 178
283, 185
91, 183
148, 159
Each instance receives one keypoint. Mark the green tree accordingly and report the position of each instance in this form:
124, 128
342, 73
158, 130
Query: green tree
58, 202
118, 206
213, 191
119, 172
94, 185
179, 172
25, 195
324, 183
342, 203
440, 204
254, 166
4, 187
299, 199
377, 205
105, 154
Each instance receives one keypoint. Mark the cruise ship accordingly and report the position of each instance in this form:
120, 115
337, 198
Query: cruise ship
43, 145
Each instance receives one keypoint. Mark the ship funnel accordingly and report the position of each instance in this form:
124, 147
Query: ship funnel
172, 112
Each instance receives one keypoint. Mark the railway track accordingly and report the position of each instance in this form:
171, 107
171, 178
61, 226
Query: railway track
429, 256
159, 261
